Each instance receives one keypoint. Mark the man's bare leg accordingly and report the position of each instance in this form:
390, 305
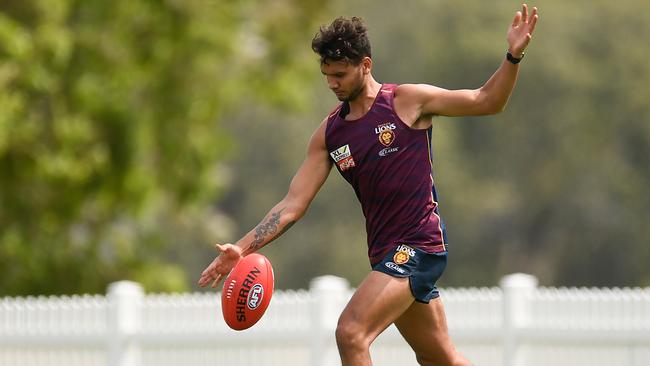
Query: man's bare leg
379, 300
424, 326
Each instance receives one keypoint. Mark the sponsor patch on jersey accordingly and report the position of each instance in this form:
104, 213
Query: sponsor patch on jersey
341, 153
343, 157
386, 134
387, 150
346, 164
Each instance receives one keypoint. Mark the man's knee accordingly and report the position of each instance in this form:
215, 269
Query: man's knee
350, 336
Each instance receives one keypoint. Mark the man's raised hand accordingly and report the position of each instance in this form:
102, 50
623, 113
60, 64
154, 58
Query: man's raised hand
521, 31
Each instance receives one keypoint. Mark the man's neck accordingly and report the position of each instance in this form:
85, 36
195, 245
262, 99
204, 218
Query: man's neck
360, 105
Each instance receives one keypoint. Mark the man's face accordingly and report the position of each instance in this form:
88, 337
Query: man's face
344, 79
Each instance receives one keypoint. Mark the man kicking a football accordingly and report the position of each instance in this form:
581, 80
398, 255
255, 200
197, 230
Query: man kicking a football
379, 140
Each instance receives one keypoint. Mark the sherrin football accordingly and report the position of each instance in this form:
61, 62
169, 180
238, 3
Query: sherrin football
247, 291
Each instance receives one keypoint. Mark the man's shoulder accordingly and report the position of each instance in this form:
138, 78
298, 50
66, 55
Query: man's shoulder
412, 88
416, 92
334, 111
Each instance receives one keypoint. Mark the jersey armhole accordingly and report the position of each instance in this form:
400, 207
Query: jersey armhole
331, 117
392, 106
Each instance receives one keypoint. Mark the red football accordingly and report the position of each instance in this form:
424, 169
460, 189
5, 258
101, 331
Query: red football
247, 292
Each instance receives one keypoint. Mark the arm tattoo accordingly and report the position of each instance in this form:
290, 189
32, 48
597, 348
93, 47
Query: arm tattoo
284, 230
270, 227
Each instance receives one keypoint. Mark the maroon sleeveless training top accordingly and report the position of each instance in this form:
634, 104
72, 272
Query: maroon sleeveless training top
389, 166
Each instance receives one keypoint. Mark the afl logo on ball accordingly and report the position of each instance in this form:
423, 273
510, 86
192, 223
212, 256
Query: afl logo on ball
255, 297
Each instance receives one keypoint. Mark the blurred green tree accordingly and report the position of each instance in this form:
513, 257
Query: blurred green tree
111, 150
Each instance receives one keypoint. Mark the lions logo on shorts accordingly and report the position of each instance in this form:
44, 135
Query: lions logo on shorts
401, 258
403, 254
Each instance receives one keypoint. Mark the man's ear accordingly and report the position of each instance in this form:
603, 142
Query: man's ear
367, 65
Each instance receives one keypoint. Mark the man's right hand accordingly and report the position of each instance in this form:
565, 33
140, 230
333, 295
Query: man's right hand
222, 265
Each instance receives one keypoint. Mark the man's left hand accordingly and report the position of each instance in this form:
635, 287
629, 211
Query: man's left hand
521, 31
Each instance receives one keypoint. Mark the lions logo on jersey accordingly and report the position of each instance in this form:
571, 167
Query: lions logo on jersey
386, 138
386, 134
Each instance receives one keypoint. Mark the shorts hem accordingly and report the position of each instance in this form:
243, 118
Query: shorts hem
393, 274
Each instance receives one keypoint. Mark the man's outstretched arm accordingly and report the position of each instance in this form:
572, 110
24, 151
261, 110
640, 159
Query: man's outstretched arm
303, 188
491, 98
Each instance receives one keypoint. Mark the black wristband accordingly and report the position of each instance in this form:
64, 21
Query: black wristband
513, 59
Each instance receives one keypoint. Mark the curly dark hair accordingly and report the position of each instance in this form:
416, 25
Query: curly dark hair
343, 40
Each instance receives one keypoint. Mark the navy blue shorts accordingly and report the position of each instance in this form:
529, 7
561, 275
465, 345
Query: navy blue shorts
423, 270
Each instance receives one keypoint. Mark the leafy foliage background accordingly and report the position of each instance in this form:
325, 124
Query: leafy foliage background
135, 134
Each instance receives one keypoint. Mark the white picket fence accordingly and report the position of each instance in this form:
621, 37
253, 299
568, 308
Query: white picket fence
515, 324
